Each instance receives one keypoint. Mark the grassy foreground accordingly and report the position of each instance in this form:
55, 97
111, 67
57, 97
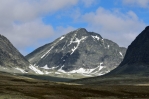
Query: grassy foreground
19, 87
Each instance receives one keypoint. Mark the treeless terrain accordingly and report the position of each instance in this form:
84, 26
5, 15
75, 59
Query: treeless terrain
19, 87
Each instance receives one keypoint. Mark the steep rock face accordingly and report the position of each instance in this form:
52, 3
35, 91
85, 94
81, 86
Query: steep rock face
136, 60
10, 56
79, 51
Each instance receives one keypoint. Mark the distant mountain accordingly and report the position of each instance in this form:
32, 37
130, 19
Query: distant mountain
136, 60
10, 58
78, 52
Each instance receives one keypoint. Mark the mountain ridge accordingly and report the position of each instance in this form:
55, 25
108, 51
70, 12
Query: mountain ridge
136, 60
78, 51
10, 57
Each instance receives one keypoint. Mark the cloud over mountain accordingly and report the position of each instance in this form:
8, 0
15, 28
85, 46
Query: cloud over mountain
22, 21
140, 3
114, 24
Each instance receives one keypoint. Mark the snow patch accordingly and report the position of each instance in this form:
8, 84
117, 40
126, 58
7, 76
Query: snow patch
78, 41
62, 37
54, 67
45, 67
47, 52
4, 68
101, 63
35, 69
71, 41
96, 37
87, 72
108, 46
87, 75
61, 70
46, 72
82, 71
121, 54
52, 47
21, 70
57, 73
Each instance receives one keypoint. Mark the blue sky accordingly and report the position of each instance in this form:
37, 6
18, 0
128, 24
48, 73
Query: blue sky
29, 24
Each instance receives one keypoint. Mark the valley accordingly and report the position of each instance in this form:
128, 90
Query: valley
19, 87
130, 80
74, 49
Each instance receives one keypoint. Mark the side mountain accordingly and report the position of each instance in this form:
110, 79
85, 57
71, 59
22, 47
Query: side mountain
136, 60
10, 58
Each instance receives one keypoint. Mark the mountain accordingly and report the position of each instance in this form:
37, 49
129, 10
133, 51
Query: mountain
78, 52
10, 58
136, 60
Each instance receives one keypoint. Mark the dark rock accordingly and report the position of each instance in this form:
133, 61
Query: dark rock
9, 56
78, 49
136, 60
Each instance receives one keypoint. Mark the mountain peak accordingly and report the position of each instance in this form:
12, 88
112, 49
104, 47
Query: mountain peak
147, 27
79, 51
81, 32
81, 29
1, 36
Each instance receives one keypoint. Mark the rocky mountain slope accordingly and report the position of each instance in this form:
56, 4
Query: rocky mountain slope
10, 58
78, 52
136, 60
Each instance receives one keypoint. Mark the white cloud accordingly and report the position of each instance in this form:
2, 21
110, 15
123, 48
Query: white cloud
21, 20
33, 34
140, 3
60, 30
115, 25
89, 3
26, 10
27, 34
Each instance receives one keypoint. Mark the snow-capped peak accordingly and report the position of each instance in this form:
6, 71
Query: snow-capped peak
78, 51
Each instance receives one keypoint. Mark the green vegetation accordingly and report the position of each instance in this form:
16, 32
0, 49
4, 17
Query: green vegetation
20, 87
